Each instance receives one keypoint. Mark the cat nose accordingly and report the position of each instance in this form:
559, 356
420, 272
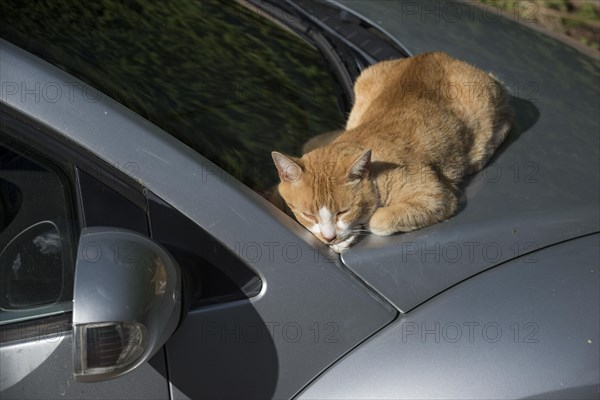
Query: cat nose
330, 237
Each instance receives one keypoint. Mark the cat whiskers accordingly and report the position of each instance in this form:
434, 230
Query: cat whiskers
359, 231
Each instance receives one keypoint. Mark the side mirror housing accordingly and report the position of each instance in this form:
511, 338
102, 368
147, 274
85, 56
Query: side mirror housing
126, 302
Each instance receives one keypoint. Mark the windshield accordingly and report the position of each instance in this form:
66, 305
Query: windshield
229, 83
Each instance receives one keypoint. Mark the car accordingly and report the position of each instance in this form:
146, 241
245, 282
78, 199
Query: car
140, 258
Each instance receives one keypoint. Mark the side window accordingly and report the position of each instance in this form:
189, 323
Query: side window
103, 206
37, 237
38, 233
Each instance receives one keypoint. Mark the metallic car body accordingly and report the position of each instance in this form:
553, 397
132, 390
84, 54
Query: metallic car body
517, 331
547, 79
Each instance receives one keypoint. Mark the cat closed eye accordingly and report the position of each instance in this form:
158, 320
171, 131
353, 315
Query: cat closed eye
308, 216
342, 213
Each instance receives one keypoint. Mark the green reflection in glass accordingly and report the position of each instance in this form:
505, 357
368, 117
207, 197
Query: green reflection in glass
227, 82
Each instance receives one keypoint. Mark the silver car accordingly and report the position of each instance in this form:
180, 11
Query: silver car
139, 257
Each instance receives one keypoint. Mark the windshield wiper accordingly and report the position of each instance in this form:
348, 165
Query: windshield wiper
349, 43
344, 63
368, 41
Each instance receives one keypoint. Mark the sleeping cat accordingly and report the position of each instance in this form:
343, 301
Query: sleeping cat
418, 126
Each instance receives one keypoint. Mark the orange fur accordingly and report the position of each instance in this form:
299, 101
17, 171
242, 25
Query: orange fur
418, 126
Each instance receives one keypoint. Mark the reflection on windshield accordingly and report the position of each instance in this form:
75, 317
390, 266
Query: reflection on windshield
230, 84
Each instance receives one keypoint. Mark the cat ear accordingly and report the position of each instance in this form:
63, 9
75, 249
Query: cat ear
360, 168
288, 169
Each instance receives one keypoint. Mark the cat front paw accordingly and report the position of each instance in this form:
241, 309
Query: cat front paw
379, 224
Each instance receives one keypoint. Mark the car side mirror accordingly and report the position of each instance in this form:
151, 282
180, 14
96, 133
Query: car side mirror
126, 302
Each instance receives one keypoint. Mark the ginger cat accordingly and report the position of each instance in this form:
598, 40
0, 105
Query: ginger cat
418, 126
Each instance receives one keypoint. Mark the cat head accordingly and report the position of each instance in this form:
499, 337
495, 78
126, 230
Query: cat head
329, 191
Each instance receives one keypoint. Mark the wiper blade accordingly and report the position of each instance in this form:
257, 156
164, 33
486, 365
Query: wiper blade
345, 64
348, 42
366, 39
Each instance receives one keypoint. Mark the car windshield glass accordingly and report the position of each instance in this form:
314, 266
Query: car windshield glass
229, 83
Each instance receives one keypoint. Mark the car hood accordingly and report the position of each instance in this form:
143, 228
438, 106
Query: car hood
541, 187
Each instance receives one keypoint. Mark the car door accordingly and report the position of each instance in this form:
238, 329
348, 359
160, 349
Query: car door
49, 192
